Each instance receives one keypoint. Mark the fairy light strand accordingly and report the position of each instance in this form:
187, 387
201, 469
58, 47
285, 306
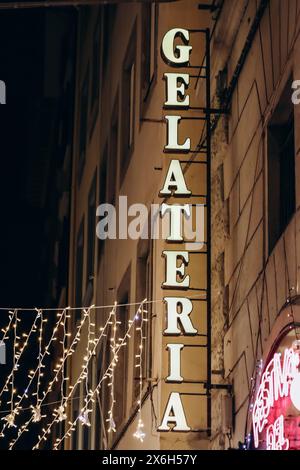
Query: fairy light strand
60, 368
72, 427
6, 330
10, 418
57, 370
62, 415
32, 375
84, 418
72, 388
36, 410
113, 345
78, 381
33, 330
139, 434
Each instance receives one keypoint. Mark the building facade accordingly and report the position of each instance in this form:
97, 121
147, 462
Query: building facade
243, 281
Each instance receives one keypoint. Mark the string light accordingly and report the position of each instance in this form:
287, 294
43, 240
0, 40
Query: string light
72, 388
111, 373
61, 409
36, 410
31, 377
57, 369
17, 356
84, 417
72, 425
139, 433
10, 418
6, 330
35, 374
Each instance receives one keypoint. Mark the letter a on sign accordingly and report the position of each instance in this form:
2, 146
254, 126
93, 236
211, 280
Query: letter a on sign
174, 414
175, 181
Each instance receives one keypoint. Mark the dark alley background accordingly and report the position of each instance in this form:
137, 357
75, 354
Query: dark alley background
33, 46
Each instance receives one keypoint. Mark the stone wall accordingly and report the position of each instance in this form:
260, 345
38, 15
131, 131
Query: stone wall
249, 287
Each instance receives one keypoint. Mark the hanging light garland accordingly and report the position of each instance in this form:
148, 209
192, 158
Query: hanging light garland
59, 366
111, 374
36, 410
139, 433
61, 410
6, 330
36, 375
10, 418
122, 342
18, 355
33, 373
84, 418
72, 388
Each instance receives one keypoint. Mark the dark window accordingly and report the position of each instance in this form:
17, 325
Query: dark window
84, 107
66, 122
102, 191
281, 168
143, 291
113, 154
148, 60
95, 94
85, 13
109, 14
91, 232
62, 277
79, 269
128, 105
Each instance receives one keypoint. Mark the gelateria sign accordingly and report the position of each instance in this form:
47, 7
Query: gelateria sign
179, 323
276, 410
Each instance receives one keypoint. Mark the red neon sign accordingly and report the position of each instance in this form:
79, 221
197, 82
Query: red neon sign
275, 415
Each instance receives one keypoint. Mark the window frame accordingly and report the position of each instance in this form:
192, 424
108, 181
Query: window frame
274, 226
147, 84
129, 81
102, 192
80, 234
83, 132
113, 153
91, 232
97, 52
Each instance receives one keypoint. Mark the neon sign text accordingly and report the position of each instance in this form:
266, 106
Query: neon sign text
276, 382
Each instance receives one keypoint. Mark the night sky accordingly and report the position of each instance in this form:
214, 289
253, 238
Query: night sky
21, 224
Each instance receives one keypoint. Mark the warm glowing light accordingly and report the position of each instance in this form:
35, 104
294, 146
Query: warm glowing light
280, 379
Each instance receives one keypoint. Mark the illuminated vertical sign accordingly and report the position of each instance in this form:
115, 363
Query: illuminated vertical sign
176, 50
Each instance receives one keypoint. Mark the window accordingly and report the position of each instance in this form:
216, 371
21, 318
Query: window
91, 233
85, 13
143, 291
79, 269
95, 94
102, 192
121, 369
62, 276
113, 153
109, 14
281, 168
148, 59
84, 107
128, 105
